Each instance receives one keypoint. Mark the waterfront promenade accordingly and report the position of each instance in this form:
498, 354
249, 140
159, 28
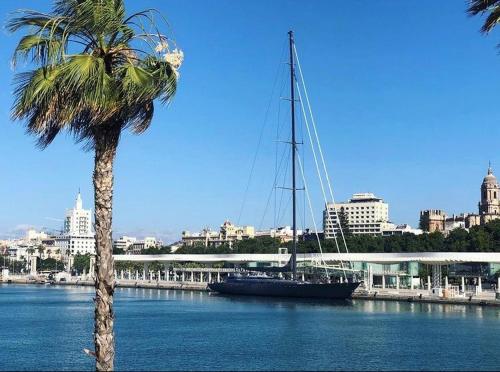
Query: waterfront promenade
381, 273
197, 279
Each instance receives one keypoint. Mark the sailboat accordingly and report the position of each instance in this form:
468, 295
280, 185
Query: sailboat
258, 284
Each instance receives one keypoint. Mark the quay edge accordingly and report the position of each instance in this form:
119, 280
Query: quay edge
417, 297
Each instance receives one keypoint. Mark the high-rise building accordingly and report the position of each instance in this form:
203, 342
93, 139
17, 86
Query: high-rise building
77, 236
364, 214
78, 221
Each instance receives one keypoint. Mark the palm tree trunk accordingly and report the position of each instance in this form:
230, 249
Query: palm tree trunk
105, 150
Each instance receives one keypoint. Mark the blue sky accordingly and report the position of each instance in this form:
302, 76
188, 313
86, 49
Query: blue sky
405, 94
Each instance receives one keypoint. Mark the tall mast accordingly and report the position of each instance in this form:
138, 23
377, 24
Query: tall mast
294, 150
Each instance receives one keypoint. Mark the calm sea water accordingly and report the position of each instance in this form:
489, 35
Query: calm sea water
46, 328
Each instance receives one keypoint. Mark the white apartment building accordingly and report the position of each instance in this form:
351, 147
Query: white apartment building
284, 233
148, 242
365, 214
77, 236
392, 229
124, 242
30, 244
33, 235
78, 221
131, 245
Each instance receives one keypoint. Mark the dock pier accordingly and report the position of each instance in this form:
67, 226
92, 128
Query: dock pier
391, 286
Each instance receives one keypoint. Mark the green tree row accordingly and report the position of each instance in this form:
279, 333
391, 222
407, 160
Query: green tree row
14, 266
484, 238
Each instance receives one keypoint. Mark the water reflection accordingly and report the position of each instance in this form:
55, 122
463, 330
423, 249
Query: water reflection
82, 295
156, 328
281, 302
429, 309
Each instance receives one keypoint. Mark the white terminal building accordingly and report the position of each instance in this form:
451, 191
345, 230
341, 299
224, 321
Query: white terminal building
77, 236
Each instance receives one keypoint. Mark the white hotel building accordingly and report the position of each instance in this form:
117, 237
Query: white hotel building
365, 213
77, 236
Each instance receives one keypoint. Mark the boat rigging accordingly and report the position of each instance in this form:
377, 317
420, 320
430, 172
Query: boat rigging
254, 284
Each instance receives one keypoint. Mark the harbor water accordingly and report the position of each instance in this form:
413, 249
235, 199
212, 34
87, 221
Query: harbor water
47, 327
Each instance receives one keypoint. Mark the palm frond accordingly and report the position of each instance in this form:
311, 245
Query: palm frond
481, 6
141, 117
30, 18
486, 6
43, 50
492, 20
95, 69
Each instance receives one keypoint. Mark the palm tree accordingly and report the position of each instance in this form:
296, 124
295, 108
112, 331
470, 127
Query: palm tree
31, 251
486, 6
96, 72
40, 250
58, 255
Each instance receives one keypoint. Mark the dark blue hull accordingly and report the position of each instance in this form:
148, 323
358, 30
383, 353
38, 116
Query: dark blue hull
284, 288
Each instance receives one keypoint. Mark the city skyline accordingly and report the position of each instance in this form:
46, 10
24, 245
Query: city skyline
388, 223
409, 98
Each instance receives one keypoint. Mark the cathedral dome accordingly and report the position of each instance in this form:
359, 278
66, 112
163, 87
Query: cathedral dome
490, 179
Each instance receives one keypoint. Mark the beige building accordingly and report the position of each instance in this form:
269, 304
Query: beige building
284, 234
205, 237
473, 220
365, 213
228, 233
489, 209
139, 245
432, 220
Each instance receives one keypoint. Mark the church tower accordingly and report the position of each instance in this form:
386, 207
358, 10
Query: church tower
489, 207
